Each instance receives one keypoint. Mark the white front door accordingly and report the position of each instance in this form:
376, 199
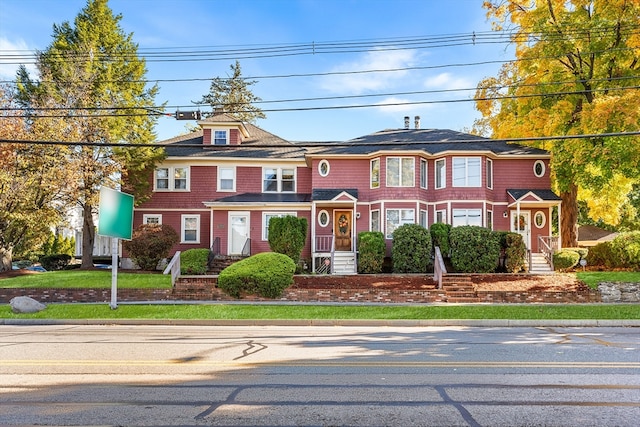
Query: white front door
238, 231
522, 225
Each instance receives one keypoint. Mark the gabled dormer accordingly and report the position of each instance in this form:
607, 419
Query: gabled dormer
223, 129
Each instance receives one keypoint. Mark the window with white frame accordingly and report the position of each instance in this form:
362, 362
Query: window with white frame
266, 217
375, 220
489, 171
466, 172
467, 217
226, 178
171, 178
398, 217
423, 218
220, 137
489, 224
423, 173
441, 216
375, 173
278, 180
441, 173
190, 229
152, 219
539, 168
400, 171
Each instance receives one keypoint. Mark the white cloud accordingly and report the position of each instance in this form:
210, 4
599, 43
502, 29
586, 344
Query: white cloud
448, 81
355, 84
13, 52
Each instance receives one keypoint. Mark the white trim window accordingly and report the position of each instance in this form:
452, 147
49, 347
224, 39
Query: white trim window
152, 219
226, 178
423, 218
440, 172
466, 217
539, 168
266, 217
279, 180
190, 229
441, 216
220, 137
324, 167
375, 220
175, 178
423, 173
375, 173
466, 172
397, 218
489, 173
489, 220
401, 171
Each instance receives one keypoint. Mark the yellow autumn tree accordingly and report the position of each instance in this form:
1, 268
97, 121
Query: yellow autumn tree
576, 72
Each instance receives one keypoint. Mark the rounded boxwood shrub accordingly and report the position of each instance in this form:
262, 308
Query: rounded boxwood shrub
55, 262
194, 261
625, 249
565, 259
474, 249
601, 255
266, 274
411, 249
440, 237
515, 252
371, 250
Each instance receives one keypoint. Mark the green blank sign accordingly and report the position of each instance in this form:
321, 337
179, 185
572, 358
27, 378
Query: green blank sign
115, 214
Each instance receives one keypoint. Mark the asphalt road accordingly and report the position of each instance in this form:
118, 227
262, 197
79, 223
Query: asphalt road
318, 376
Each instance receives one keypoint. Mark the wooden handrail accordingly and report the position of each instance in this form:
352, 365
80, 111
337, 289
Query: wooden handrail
439, 269
174, 268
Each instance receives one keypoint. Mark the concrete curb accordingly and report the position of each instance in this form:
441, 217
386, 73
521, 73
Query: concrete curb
472, 323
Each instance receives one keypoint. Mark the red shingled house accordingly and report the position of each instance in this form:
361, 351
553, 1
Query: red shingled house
219, 186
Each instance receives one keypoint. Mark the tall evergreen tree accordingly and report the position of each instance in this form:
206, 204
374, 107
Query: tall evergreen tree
234, 96
577, 72
92, 72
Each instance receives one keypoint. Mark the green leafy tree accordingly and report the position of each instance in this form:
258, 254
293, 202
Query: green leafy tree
30, 178
576, 72
150, 243
287, 235
92, 74
234, 96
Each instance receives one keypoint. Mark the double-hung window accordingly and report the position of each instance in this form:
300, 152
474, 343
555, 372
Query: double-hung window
398, 217
400, 171
441, 173
466, 172
423, 173
266, 217
171, 178
375, 220
375, 173
226, 178
278, 180
467, 217
220, 137
190, 229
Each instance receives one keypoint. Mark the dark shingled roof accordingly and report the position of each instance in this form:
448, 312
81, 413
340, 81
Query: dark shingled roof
542, 194
266, 198
332, 193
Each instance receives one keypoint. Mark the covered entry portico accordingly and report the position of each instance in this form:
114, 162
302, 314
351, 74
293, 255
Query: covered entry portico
333, 231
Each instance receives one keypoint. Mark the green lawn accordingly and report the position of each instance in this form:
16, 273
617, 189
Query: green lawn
329, 312
87, 279
593, 278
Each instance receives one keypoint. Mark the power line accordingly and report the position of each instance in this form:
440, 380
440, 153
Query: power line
320, 144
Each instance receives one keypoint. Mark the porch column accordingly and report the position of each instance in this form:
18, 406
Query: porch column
313, 229
559, 225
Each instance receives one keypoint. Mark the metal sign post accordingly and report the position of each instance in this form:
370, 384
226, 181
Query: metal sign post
115, 220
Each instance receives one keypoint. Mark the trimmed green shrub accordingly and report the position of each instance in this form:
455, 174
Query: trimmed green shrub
601, 255
55, 262
287, 235
474, 249
583, 252
150, 243
194, 261
266, 274
411, 249
565, 259
440, 237
626, 250
515, 252
371, 250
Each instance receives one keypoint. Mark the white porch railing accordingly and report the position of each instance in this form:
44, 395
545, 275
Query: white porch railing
174, 268
324, 249
548, 245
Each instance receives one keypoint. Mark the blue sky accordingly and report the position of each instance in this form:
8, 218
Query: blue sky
242, 24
